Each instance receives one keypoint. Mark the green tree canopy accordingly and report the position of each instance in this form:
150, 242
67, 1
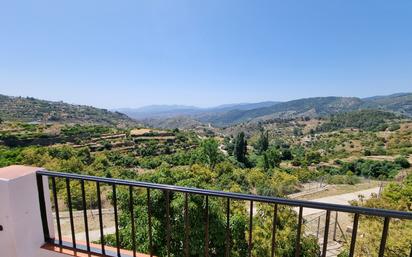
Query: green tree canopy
240, 148
210, 153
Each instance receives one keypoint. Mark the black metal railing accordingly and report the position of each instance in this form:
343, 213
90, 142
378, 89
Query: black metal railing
387, 215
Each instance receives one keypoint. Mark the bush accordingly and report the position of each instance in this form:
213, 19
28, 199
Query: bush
349, 179
370, 168
367, 152
394, 127
403, 162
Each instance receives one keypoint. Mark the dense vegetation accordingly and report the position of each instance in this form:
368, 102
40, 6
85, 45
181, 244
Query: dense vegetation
28, 109
370, 168
368, 120
272, 158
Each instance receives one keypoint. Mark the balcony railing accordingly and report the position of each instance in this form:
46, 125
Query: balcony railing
387, 215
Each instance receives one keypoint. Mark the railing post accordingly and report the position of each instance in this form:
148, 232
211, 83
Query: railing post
336, 226
299, 232
206, 226
354, 235
274, 222
326, 234
384, 236
250, 245
42, 203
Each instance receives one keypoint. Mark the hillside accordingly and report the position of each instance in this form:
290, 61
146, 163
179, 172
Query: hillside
311, 107
28, 109
177, 111
367, 120
400, 103
181, 122
314, 107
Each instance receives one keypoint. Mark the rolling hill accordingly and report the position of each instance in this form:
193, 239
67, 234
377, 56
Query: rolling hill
368, 120
28, 109
177, 111
319, 106
400, 103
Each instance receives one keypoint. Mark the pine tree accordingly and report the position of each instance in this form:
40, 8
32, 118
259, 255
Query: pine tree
263, 142
240, 148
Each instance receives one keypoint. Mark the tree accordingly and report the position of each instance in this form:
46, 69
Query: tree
271, 159
297, 132
240, 148
85, 156
286, 154
210, 154
403, 162
228, 145
313, 157
263, 142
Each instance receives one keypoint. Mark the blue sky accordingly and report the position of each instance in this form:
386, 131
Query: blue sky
133, 53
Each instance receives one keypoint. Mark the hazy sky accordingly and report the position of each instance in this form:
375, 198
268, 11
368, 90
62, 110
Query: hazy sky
133, 53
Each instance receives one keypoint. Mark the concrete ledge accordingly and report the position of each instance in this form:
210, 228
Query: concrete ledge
53, 250
16, 171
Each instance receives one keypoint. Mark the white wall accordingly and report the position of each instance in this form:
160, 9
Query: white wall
20, 212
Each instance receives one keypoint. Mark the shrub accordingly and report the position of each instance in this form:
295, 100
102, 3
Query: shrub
403, 162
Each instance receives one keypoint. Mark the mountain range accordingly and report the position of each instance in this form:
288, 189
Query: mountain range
226, 115
169, 111
28, 109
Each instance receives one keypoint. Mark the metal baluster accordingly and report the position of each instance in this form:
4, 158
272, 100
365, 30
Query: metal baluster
207, 226
168, 229
298, 233
275, 220
99, 206
336, 226
228, 227
326, 234
186, 218
384, 236
149, 214
86, 224
116, 222
132, 220
42, 203
354, 234
250, 228
69, 203
56, 208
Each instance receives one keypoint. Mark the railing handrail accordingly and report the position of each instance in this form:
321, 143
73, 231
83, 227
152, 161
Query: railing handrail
238, 196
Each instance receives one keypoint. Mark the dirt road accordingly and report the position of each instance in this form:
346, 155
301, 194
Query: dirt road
343, 199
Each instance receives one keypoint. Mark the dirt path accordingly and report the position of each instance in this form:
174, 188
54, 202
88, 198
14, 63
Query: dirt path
343, 199
94, 235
